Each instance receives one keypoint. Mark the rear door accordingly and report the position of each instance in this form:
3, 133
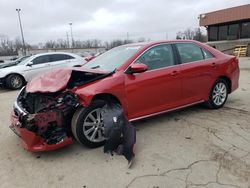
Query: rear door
61, 61
157, 89
198, 70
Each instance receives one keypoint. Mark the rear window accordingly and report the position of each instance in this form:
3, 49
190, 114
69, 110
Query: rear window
60, 57
207, 54
189, 52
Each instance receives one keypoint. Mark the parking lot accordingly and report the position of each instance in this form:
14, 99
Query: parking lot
193, 147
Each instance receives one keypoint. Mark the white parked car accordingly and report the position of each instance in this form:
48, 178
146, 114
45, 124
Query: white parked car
17, 75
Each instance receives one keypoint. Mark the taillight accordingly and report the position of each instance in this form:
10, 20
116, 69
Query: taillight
235, 63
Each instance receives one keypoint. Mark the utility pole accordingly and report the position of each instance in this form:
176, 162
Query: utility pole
67, 39
21, 28
166, 35
72, 40
127, 36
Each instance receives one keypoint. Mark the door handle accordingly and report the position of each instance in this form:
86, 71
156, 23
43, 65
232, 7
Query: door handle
174, 73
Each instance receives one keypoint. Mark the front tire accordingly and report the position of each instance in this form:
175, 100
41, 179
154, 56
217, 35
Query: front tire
14, 81
87, 125
218, 94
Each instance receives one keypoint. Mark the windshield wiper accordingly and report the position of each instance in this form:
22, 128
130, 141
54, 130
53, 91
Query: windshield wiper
95, 67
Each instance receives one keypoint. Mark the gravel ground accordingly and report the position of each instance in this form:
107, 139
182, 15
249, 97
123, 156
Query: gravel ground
193, 147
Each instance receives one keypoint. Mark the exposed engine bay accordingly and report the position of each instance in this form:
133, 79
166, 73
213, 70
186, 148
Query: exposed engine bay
48, 115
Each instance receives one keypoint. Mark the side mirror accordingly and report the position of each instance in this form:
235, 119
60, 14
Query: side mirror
30, 64
138, 68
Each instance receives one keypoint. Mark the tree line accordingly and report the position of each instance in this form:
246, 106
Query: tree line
11, 47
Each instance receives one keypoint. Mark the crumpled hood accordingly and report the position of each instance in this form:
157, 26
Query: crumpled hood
59, 79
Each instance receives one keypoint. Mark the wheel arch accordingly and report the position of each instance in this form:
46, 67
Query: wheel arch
15, 73
228, 81
106, 96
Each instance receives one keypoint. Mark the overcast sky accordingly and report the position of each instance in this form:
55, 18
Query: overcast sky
104, 19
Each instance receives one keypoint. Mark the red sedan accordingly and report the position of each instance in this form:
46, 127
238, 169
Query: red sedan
146, 79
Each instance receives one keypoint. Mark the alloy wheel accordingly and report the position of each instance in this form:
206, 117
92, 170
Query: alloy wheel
93, 127
16, 81
219, 93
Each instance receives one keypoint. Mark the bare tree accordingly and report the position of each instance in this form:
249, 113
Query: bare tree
96, 43
179, 35
191, 34
61, 43
50, 44
7, 46
199, 36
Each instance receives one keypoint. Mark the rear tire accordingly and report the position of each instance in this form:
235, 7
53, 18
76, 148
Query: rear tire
218, 94
87, 125
14, 81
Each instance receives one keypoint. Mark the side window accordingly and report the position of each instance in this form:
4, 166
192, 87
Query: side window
41, 59
207, 54
60, 57
189, 52
158, 57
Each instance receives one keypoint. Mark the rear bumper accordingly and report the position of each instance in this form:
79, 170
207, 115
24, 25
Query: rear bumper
33, 142
235, 80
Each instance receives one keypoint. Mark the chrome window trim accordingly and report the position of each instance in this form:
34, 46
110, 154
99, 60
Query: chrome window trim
202, 50
172, 43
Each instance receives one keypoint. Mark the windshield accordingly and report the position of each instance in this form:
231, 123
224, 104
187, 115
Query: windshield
113, 58
23, 62
19, 60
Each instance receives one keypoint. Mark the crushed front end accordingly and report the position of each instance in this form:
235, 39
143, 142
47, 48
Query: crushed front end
42, 120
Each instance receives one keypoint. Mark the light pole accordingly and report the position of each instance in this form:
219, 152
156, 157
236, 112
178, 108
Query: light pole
21, 28
67, 36
72, 40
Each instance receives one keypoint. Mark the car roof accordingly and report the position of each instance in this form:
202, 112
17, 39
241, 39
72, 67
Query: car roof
52, 53
152, 43
146, 45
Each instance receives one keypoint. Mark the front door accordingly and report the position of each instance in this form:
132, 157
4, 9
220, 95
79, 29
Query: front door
157, 89
40, 64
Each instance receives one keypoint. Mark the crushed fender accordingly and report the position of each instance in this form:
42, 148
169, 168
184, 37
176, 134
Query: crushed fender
119, 133
44, 108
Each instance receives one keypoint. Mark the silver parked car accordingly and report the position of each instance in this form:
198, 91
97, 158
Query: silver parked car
17, 75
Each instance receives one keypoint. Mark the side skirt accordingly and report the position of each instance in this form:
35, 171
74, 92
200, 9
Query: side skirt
165, 111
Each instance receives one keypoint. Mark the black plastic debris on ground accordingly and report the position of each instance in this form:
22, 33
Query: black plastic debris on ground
119, 133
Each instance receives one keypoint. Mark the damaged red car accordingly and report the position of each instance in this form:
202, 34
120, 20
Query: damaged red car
146, 79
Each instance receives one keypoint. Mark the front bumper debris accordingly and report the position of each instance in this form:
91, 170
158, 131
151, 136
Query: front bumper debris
31, 141
46, 129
